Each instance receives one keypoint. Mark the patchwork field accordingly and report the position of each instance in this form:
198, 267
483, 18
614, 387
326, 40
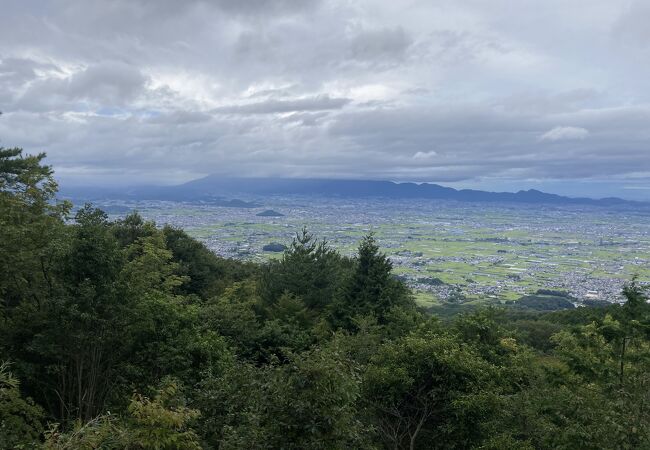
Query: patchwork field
447, 251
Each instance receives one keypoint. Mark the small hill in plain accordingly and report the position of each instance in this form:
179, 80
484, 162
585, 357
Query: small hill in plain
269, 213
547, 300
274, 247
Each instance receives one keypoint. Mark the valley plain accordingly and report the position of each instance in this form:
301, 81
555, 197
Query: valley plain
447, 251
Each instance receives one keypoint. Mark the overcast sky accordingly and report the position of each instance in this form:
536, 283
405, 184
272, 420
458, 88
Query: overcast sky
493, 94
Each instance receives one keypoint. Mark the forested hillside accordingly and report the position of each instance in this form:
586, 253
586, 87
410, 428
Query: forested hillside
121, 334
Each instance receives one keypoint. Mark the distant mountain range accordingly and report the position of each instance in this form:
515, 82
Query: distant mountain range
215, 188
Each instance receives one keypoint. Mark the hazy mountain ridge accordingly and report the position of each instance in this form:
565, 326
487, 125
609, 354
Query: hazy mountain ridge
216, 189
214, 184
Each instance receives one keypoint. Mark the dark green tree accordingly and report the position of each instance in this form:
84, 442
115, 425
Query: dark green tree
78, 337
31, 225
308, 403
372, 289
426, 390
132, 228
309, 269
20, 419
208, 275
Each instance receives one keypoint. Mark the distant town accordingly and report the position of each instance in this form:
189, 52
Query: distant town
447, 251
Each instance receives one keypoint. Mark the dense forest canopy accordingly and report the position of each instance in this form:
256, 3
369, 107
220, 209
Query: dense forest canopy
121, 334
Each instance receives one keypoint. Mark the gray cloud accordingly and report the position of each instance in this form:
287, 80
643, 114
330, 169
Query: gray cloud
481, 93
632, 25
564, 134
383, 45
106, 83
17, 71
238, 7
317, 103
102, 85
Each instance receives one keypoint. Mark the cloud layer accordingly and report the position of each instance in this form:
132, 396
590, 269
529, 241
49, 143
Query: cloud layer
481, 94
565, 134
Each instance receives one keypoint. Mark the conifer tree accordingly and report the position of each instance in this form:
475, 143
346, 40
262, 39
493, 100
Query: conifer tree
372, 288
